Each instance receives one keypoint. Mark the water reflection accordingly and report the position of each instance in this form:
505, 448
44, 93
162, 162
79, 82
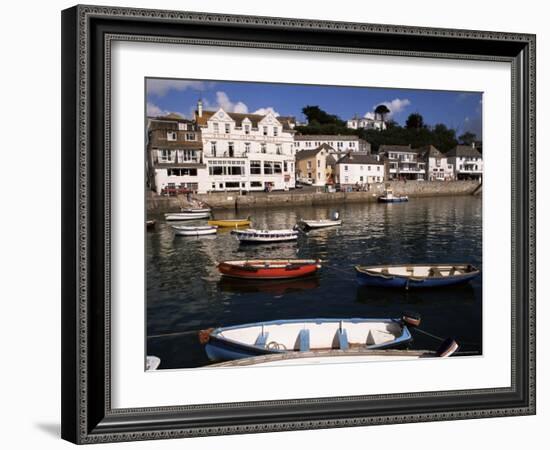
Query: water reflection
185, 292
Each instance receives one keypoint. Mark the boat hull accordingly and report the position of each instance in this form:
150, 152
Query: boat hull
314, 225
191, 231
364, 278
219, 348
186, 216
268, 273
229, 223
393, 200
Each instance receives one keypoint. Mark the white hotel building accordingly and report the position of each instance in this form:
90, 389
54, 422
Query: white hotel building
340, 143
248, 152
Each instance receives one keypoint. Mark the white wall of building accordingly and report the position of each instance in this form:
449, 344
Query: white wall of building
440, 169
339, 145
359, 173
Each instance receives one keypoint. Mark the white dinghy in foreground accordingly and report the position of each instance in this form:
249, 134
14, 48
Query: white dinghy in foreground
307, 225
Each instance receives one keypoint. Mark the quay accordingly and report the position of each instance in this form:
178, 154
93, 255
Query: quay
231, 200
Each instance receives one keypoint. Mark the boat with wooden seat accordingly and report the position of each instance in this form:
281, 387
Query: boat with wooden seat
415, 275
252, 236
269, 269
230, 223
180, 230
303, 335
351, 355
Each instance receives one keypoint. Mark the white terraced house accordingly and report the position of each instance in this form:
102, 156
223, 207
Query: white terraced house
358, 169
403, 162
366, 123
248, 152
467, 162
339, 143
439, 168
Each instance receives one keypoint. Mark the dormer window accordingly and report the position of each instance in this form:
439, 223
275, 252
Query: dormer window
265, 131
247, 129
172, 136
182, 126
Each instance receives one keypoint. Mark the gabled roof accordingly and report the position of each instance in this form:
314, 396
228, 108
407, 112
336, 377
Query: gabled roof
396, 148
429, 151
464, 151
304, 154
359, 158
238, 118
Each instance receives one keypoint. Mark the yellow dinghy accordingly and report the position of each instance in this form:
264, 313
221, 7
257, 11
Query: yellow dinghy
230, 223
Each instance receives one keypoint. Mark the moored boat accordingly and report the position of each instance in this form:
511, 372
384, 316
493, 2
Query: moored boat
306, 225
194, 231
187, 216
230, 223
303, 335
352, 355
269, 269
152, 363
389, 197
252, 236
196, 210
415, 275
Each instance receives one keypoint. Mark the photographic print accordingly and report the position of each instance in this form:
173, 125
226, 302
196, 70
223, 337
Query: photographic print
307, 224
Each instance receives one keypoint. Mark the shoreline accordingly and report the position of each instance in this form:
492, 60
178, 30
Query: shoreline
234, 200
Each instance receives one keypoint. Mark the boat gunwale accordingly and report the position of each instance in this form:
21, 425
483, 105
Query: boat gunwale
367, 270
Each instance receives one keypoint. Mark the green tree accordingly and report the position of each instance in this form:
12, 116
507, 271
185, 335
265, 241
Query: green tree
415, 121
467, 138
381, 111
316, 115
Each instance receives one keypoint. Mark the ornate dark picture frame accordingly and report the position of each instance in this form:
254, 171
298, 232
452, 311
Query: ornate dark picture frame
87, 34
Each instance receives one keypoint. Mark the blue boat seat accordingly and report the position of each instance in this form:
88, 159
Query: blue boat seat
261, 340
343, 343
303, 339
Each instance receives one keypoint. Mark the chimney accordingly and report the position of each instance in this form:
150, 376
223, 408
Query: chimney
199, 107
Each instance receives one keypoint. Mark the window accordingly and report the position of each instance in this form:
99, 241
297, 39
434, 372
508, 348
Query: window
361, 167
182, 172
318, 175
285, 166
227, 127
265, 131
346, 179
309, 165
279, 150
352, 144
361, 178
318, 163
247, 129
339, 144
255, 167
268, 168
378, 168
346, 168
172, 136
247, 147
165, 155
216, 170
232, 184
231, 149
216, 127
256, 184
190, 137
275, 131
182, 126
235, 170
187, 155
278, 167
263, 148
213, 148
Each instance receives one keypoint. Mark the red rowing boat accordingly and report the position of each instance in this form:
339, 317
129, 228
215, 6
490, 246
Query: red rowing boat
269, 269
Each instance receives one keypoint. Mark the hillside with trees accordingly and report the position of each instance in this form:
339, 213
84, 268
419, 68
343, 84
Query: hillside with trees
415, 132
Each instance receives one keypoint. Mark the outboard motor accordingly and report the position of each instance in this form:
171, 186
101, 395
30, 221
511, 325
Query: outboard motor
411, 319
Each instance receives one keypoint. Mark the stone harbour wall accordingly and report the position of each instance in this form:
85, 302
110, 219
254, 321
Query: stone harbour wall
232, 200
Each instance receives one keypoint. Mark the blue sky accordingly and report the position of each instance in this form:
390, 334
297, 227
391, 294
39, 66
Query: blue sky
458, 110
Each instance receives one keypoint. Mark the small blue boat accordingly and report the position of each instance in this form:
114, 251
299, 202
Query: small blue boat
415, 275
303, 335
389, 197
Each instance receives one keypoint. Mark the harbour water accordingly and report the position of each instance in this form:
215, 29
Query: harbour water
186, 294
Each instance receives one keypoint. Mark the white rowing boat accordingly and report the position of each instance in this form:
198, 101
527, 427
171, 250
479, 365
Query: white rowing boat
181, 230
252, 236
187, 216
196, 210
307, 225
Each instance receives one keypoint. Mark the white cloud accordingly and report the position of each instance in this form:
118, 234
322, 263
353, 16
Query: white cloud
156, 111
223, 101
395, 106
264, 111
160, 87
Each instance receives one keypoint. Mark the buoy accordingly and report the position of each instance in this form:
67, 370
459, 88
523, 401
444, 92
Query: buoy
204, 335
411, 319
